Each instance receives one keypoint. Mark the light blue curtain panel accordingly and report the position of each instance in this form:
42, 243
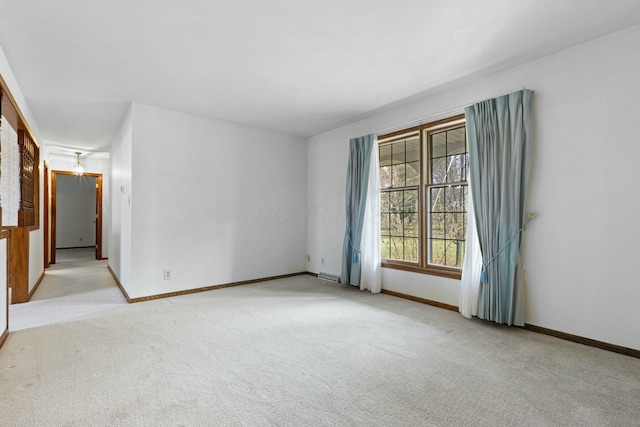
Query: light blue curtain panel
500, 141
356, 197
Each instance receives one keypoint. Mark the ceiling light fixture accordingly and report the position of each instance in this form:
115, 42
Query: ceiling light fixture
78, 170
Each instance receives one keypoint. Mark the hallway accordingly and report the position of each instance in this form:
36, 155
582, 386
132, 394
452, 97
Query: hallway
77, 286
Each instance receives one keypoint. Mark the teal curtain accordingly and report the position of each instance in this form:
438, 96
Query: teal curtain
499, 135
356, 196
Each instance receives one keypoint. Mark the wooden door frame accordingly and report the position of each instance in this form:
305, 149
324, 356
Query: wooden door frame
46, 220
98, 177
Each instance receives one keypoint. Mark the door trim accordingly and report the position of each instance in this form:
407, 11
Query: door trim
98, 177
46, 220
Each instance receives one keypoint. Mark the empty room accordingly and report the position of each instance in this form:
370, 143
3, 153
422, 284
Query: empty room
336, 213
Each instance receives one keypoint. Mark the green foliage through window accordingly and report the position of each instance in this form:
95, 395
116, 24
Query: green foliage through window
399, 203
423, 211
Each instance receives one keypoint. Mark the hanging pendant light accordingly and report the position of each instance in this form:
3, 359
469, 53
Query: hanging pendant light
78, 170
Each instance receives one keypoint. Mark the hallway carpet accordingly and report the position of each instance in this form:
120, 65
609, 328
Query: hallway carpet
69, 290
296, 352
75, 254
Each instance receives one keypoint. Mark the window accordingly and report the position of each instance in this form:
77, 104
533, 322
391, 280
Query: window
423, 179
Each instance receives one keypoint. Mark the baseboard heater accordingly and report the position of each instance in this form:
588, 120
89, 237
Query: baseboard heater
329, 277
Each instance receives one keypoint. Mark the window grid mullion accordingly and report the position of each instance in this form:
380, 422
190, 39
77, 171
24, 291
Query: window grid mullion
449, 168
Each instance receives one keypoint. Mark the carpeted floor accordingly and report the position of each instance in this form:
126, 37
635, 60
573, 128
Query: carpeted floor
69, 290
292, 352
75, 254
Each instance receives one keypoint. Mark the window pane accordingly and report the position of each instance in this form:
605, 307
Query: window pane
411, 201
385, 155
395, 225
436, 251
384, 202
456, 141
462, 232
454, 226
437, 225
454, 200
397, 156
465, 173
411, 225
437, 195
385, 248
398, 174
413, 150
411, 250
385, 177
413, 173
396, 201
465, 196
384, 224
397, 247
438, 144
456, 168
448, 229
438, 170
453, 253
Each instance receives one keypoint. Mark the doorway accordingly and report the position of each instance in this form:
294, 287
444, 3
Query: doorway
83, 237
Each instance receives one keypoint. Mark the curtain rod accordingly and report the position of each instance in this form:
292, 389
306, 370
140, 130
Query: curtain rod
441, 115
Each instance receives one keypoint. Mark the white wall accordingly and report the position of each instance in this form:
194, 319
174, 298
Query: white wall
584, 187
120, 203
212, 201
97, 163
75, 211
36, 237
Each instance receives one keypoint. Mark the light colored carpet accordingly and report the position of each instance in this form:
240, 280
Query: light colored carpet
301, 352
70, 290
75, 255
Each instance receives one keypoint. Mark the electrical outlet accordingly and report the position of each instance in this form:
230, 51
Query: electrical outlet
308, 258
322, 261
167, 274
81, 239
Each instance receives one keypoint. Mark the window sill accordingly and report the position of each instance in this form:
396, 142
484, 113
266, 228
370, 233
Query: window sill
450, 273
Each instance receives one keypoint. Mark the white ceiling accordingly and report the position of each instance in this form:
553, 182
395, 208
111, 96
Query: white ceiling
295, 66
